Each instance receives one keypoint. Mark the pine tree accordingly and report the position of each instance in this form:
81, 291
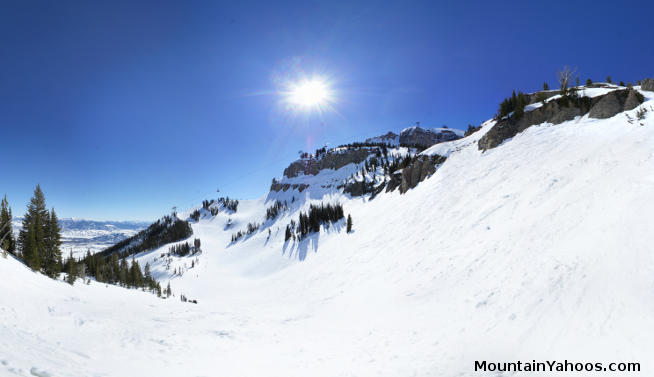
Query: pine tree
123, 273
546, 86
135, 275
114, 268
7, 241
608, 79
520, 106
52, 253
32, 236
349, 223
30, 249
147, 273
72, 269
589, 82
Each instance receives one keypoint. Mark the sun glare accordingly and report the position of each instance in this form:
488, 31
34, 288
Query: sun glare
309, 94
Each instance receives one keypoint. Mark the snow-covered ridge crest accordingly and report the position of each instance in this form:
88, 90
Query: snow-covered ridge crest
608, 103
418, 136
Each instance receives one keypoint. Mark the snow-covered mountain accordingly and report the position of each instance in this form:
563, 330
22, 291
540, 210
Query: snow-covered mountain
418, 136
529, 242
81, 235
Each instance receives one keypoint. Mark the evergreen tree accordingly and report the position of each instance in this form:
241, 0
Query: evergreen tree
52, 253
349, 223
72, 269
123, 273
7, 241
135, 275
589, 82
520, 106
147, 273
546, 86
113, 270
29, 249
608, 79
31, 238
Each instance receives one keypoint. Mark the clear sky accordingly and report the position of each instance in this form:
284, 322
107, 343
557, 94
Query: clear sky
122, 109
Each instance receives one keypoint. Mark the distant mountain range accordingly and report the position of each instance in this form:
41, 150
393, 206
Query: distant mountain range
80, 235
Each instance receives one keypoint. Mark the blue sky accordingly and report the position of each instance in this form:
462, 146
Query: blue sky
121, 110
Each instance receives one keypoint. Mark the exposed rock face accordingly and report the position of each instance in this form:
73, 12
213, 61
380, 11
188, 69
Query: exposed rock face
394, 181
417, 171
561, 110
276, 186
615, 102
425, 137
332, 160
607, 107
390, 137
647, 84
634, 99
554, 112
420, 168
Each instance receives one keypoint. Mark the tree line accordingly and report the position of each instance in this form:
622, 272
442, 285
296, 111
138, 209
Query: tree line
39, 241
166, 230
112, 270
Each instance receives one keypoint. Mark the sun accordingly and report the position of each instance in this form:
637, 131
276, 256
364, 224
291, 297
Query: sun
309, 94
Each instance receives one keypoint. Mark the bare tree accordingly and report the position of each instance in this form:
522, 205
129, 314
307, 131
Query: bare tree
564, 76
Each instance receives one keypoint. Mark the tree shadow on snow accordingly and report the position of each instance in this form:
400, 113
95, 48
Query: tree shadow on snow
311, 241
300, 249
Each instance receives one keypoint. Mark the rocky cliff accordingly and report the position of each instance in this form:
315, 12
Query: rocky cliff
560, 110
331, 160
426, 137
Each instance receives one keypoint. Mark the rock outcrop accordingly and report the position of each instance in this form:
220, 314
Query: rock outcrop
276, 186
634, 99
425, 137
615, 102
606, 107
389, 138
332, 160
394, 181
417, 171
561, 110
647, 84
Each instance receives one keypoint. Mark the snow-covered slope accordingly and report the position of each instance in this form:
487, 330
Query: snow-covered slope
539, 249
